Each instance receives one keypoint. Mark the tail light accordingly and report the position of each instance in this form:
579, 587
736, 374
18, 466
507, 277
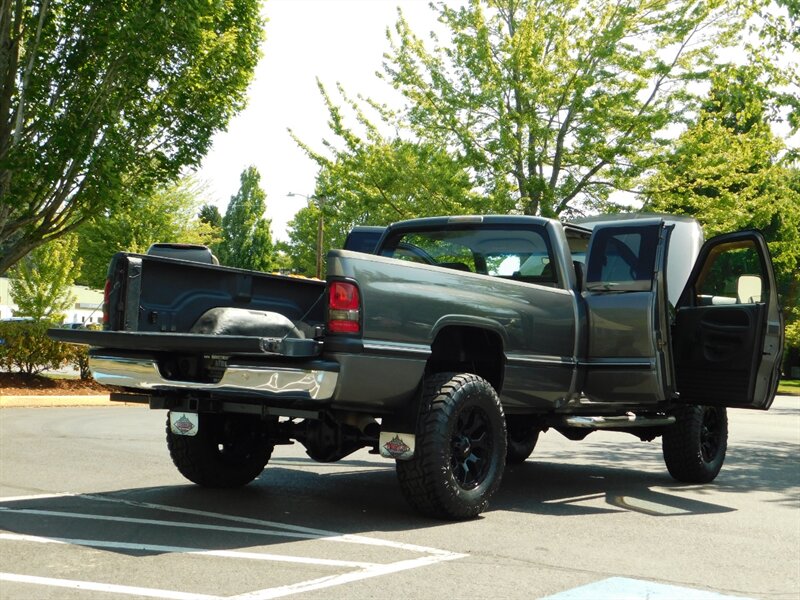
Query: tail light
344, 308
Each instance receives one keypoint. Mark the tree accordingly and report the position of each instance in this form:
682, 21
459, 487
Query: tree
552, 104
375, 180
102, 101
40, 283
246, 238
210, 214
776, 55
730, 172
302, 244
169, 214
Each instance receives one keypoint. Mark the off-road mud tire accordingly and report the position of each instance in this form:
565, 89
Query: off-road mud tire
460, 448
694, 447
228, 451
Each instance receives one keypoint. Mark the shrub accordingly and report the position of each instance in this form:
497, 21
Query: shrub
79, 355
25, 347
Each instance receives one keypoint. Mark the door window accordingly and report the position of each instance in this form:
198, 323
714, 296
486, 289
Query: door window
622, 258
732, 274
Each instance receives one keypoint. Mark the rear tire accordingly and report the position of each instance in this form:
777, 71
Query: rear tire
228, 451
460, 448
695, 446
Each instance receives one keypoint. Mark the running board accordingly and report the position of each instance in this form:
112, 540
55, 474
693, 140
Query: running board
624, 421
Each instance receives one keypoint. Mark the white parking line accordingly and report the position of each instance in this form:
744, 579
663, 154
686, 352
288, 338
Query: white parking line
104, 587
361, 570
326, 582
162, 523
615, 588
185, 550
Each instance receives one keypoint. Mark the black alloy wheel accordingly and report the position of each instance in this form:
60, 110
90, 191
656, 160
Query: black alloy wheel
460, 448
694, 446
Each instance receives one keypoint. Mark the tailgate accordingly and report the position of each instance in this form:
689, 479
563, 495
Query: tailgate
190, 342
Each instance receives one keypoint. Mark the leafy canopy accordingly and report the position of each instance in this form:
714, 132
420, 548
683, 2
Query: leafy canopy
169, 214
729, 171
101, 101
246, 238
548, 106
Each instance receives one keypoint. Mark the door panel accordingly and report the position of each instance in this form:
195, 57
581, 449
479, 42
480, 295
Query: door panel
716, 350
728, 334
625, 302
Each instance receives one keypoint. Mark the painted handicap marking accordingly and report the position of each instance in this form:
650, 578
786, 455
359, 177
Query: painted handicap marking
622, 588
353, 570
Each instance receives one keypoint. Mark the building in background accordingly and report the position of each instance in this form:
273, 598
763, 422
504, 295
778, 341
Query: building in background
88, 306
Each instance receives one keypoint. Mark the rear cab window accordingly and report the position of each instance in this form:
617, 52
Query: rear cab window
522, 254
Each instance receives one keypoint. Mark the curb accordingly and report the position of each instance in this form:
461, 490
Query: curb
57, 401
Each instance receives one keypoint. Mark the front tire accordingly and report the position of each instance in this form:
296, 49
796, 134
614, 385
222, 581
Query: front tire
228, 451
695, 446
460, 448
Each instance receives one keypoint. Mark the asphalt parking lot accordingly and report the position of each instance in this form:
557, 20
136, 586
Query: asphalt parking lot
91, 507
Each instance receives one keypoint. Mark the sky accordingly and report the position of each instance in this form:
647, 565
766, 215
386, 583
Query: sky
336, 40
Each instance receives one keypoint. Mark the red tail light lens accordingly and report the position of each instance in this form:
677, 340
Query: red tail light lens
344, 308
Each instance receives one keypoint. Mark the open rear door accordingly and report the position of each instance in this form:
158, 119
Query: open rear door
728, 335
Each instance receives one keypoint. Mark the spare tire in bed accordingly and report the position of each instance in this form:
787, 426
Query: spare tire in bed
241, 321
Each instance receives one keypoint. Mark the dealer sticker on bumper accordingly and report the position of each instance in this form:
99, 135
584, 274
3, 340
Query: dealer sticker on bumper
181, 423
399, 446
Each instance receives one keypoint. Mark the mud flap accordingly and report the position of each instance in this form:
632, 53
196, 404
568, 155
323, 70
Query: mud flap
183, 423
399, 446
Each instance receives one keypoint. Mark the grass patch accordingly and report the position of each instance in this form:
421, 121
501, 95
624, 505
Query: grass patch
789, 386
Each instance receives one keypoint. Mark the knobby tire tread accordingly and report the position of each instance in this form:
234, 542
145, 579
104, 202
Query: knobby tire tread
419, 477
681, 447
198, 460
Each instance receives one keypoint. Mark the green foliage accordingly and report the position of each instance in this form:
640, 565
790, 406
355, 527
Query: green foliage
793, 328
40, 283
26, 348
102, 101
548, 106
166, 215
210, 214
78, 355
302, 245
729, 171
246, 238
776, 56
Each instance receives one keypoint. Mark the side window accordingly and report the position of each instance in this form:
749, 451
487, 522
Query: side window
622, 258
732, 274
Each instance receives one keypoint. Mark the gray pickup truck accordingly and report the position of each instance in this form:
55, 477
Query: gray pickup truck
450, 348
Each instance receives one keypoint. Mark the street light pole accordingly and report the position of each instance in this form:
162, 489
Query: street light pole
319, 238
320, 223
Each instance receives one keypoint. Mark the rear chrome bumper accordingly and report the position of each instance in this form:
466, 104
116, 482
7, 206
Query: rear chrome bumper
143, 373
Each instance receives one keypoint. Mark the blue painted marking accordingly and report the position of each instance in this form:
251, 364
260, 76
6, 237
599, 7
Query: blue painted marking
621, 588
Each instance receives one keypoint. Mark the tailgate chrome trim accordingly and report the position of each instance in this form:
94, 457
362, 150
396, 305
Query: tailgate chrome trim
143, 373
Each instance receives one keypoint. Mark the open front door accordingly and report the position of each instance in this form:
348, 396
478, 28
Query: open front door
728, 335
